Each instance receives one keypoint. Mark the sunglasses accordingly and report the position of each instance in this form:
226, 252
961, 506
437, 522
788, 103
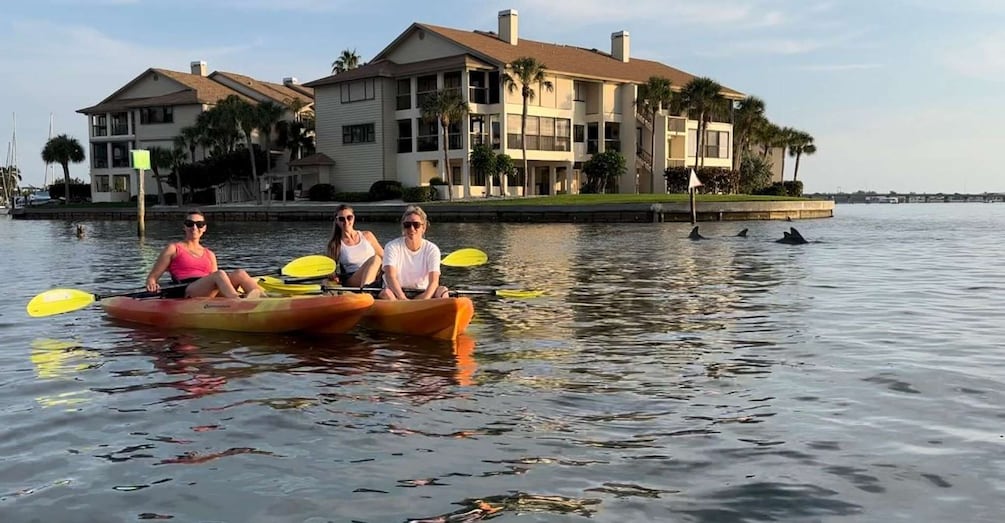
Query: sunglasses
413, 225
347, 218
193, 223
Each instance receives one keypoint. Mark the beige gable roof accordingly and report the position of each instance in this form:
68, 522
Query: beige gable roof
572, 60
192, 89
278, 93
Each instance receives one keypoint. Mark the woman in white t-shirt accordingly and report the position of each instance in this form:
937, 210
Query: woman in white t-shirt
412, 262
358, 253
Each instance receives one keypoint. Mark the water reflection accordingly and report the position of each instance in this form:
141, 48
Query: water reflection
59, 360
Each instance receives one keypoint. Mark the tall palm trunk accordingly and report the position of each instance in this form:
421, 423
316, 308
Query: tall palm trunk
66, 182
254, 169
795, 173
523, 145
652, 155
180, 197
447, 175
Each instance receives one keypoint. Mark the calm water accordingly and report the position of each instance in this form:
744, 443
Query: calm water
858, 378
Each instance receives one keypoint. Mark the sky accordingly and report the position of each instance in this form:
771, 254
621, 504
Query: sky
899, 95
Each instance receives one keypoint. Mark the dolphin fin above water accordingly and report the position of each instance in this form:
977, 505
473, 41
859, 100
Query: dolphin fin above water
694, 234
742, 234
792, 237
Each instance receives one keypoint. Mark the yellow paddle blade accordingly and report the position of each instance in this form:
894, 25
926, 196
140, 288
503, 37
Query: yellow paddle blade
58, 301
512, 293
272, 284
465, 258
313, 266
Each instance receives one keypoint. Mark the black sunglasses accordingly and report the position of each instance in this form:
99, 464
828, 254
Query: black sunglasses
193, 223
347, 218
414, 225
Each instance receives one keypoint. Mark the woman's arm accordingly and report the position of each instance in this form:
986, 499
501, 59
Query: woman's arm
373, 242
391, 277
161, 265
213, 267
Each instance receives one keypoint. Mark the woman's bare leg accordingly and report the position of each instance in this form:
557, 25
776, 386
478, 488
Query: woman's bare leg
241, 279
386, 294
367, 272
211, 285
441, 292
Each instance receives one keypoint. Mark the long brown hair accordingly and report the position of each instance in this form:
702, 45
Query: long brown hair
335, 242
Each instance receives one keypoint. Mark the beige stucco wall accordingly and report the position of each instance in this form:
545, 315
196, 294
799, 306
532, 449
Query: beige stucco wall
422, 45
152, 84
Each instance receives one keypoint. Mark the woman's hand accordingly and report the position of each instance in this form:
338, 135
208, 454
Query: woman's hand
152, 285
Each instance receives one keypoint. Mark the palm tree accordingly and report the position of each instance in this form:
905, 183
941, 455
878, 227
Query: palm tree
483, 162
188, 139
159, 157
656, 93
748, 115
800, 143
701, 97
526, 72
294, 136
63, 149
445, 106
177, 159
239, 113
346, 61
269, 114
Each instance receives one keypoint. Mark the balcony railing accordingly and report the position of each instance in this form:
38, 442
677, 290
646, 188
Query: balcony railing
478, 95
120, 129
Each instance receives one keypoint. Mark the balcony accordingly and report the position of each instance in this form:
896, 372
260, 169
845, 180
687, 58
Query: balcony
676, 125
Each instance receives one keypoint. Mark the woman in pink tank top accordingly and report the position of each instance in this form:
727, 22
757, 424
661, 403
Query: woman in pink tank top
195, 265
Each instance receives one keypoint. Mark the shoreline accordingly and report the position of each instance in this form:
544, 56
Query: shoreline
462, 212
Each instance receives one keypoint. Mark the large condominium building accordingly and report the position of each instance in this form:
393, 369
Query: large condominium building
153, 108
369, 119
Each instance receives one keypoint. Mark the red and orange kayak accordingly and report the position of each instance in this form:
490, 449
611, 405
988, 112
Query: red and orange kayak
440, 318
338, 314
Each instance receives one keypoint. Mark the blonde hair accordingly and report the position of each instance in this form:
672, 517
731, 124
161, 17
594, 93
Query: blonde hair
415, 209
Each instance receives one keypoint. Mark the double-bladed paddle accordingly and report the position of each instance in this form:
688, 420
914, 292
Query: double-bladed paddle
58, 301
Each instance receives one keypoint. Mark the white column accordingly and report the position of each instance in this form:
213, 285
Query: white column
568, 178
552, 173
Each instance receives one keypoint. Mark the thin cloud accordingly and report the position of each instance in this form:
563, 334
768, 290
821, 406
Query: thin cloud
668, 12
838, 67
982, 57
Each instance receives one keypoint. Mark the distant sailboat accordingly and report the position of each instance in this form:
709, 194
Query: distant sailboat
48, 172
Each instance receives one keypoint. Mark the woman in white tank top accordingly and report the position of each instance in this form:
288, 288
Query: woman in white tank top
358, 253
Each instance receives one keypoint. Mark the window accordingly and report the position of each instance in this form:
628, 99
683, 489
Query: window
425, 86
427, 139
101, 183
496, 131
479, 130
495, 82
543, 133
156, 115
404, 136
579, 133
360, 133
513, 138
455, 175
99, 157
120, 154
404, 94
578, 91
452, 81
99, 125
612, 136
562, 134
120, 123
454, 135
592, 138
478, 91
120, 183
358, 91
716, 144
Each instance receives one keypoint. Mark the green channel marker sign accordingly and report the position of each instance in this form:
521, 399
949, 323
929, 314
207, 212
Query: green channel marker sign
141, 159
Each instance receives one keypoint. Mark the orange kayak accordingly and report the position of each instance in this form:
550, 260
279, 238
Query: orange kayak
286, 314
440, 318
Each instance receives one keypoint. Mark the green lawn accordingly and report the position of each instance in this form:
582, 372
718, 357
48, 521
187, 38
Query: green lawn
593, 199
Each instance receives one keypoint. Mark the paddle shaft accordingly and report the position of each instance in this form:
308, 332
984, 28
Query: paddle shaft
412, 292
174, 286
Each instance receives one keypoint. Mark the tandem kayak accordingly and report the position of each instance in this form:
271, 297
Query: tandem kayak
272, 315
440, 318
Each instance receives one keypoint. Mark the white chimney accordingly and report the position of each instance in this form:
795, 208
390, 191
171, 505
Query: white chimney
290, 80
198, 68
620, 46
508, 26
